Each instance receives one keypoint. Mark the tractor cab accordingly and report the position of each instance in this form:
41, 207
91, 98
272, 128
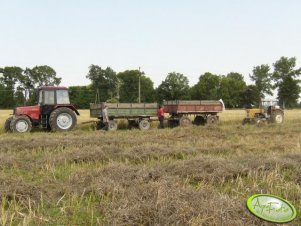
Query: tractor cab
268, 105
53, 95
49, 95
53, 111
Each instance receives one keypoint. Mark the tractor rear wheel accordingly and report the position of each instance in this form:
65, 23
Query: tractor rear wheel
144, 124
20, 124
7, 125
185, 121
277, 117
62, 119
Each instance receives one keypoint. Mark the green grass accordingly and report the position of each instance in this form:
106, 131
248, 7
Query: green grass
182, 176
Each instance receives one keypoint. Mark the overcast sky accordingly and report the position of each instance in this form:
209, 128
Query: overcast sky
160, 36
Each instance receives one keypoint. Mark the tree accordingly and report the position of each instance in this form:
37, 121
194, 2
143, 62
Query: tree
250, 96
82, 96
231, 88
8, 80
262, 78
2, 96
288, 92
38, 76
286, 80
174, 87
147, 89
41, 76
104, 81
129, 86
207, 88
19, 97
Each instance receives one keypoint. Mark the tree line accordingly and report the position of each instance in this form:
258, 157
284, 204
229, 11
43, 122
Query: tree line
18, 86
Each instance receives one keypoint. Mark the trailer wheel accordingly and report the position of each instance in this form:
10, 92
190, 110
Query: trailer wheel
7, 125
212, 120
144, 124
20, 124
112, 125
185, 121
62, 119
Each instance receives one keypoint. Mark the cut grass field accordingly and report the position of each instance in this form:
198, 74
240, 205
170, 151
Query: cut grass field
182, 176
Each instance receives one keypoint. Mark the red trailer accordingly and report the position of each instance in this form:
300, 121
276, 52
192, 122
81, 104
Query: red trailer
198, 112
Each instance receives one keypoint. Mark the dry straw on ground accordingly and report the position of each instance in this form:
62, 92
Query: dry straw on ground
181, 176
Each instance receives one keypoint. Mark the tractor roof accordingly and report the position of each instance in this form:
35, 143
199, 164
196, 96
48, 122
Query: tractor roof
52, 87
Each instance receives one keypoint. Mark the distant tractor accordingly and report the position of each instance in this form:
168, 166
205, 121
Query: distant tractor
268, 111
53, 112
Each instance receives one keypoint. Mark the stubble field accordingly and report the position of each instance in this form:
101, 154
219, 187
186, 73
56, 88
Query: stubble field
182, 176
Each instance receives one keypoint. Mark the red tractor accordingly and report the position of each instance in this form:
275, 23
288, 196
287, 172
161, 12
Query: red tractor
53, 112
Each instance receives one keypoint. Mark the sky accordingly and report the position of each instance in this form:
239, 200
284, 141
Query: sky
159, 36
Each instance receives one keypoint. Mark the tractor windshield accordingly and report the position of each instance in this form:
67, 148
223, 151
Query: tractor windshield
62, 97
46, 97
51, 97
268, 103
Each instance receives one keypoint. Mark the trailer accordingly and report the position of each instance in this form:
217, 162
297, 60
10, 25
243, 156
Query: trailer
188, 112
137, 114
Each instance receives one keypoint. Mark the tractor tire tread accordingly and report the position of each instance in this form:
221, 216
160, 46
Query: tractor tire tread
15, 120
53, 119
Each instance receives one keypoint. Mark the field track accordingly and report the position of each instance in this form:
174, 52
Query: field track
182, 176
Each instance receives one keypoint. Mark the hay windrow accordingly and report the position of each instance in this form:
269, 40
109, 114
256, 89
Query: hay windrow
180, 176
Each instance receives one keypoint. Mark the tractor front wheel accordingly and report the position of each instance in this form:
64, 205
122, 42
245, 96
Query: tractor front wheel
20, 124
62, 119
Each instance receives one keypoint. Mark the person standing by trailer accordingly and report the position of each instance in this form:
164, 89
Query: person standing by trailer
160, 114
105, 117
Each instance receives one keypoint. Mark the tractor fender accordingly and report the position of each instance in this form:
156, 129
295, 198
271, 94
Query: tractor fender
25, 115
69, 106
